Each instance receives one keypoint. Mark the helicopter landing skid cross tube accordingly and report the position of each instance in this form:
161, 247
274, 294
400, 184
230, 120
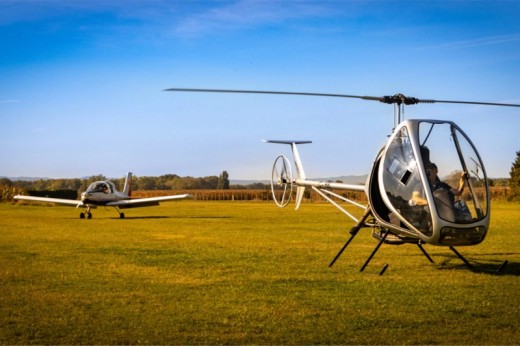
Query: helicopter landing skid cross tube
383, 238
381, 241
353, 232
388, 237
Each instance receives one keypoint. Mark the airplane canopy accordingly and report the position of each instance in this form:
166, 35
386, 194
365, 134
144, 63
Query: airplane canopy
101, 186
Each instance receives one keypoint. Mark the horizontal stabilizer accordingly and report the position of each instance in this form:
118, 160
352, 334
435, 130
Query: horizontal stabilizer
286, 141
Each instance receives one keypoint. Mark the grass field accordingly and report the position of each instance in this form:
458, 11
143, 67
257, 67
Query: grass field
194, 272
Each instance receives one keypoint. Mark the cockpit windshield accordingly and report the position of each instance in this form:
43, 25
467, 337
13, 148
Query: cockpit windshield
433, 165
455, 173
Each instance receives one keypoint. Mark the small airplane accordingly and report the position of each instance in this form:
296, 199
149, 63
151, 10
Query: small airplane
407, 202
104, 193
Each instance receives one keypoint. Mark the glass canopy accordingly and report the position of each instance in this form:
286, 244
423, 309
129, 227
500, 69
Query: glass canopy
433, 182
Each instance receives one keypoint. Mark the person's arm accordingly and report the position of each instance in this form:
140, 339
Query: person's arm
462, 183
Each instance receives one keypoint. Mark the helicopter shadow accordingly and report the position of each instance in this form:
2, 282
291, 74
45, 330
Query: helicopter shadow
491, 266
203, 217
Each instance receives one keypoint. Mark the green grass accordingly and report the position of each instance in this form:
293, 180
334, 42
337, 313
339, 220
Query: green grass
244, 273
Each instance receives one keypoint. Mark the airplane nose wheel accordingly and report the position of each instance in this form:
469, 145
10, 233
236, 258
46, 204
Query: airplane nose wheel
282, 179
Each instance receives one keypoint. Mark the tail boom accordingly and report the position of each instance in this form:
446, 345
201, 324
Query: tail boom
301, 181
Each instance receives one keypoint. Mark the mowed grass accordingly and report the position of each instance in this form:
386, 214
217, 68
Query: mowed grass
193, 272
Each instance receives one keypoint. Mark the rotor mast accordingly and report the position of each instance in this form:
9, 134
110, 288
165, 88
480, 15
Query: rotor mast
399, 101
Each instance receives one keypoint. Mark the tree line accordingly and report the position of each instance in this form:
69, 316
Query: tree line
9, 188
163, 182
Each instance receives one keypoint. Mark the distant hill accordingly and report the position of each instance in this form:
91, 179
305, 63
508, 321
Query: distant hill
346, 179
247, 182
23, 178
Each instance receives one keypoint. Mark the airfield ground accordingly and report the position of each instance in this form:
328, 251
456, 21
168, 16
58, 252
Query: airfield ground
193, 272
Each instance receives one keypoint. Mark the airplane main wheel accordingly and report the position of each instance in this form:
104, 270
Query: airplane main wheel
282, 181
82, 215
121, 215
89, 215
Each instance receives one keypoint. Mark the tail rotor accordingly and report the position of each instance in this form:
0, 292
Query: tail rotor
282, 180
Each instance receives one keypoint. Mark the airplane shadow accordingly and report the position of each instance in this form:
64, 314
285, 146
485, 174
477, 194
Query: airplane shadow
203, 217
170, 217
142, 217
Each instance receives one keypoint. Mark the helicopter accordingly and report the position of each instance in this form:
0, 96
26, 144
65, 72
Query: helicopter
407, 202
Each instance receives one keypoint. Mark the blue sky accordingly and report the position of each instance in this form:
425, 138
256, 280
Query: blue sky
81, 88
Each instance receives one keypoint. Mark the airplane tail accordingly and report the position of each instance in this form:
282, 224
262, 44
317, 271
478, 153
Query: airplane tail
283, 175
127, 189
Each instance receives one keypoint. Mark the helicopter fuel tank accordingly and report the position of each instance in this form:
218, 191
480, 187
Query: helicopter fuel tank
408, 197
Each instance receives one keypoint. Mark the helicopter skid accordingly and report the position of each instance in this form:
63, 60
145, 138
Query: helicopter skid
473, 268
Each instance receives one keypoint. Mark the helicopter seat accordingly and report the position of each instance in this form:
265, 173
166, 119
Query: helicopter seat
445, 204
449, 209
462, 213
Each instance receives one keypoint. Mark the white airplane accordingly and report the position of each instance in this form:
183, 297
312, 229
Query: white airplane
104, 193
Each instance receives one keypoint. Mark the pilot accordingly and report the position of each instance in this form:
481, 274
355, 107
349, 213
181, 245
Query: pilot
436, 184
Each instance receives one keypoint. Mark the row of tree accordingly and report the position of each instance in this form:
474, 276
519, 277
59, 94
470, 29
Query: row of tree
163, 182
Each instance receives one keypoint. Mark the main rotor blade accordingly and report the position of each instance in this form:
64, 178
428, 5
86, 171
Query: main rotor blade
473, 103
371, 98
397, 98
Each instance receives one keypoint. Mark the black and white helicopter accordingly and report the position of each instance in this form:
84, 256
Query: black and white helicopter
407, 202
104, 193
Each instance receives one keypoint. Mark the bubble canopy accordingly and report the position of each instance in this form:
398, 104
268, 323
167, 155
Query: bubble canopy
433, 184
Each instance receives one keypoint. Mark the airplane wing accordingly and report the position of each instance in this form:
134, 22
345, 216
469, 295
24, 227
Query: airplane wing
69, 202
145, 202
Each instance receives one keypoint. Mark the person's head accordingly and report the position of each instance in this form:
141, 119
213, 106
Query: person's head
431, 170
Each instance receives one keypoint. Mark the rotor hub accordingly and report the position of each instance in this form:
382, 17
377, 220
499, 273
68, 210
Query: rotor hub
401, 99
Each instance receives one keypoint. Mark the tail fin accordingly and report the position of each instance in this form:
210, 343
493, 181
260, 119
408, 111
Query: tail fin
127, 190
298, 163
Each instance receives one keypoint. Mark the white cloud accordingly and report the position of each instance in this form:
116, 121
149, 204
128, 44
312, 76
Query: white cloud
246, 14
477, 42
